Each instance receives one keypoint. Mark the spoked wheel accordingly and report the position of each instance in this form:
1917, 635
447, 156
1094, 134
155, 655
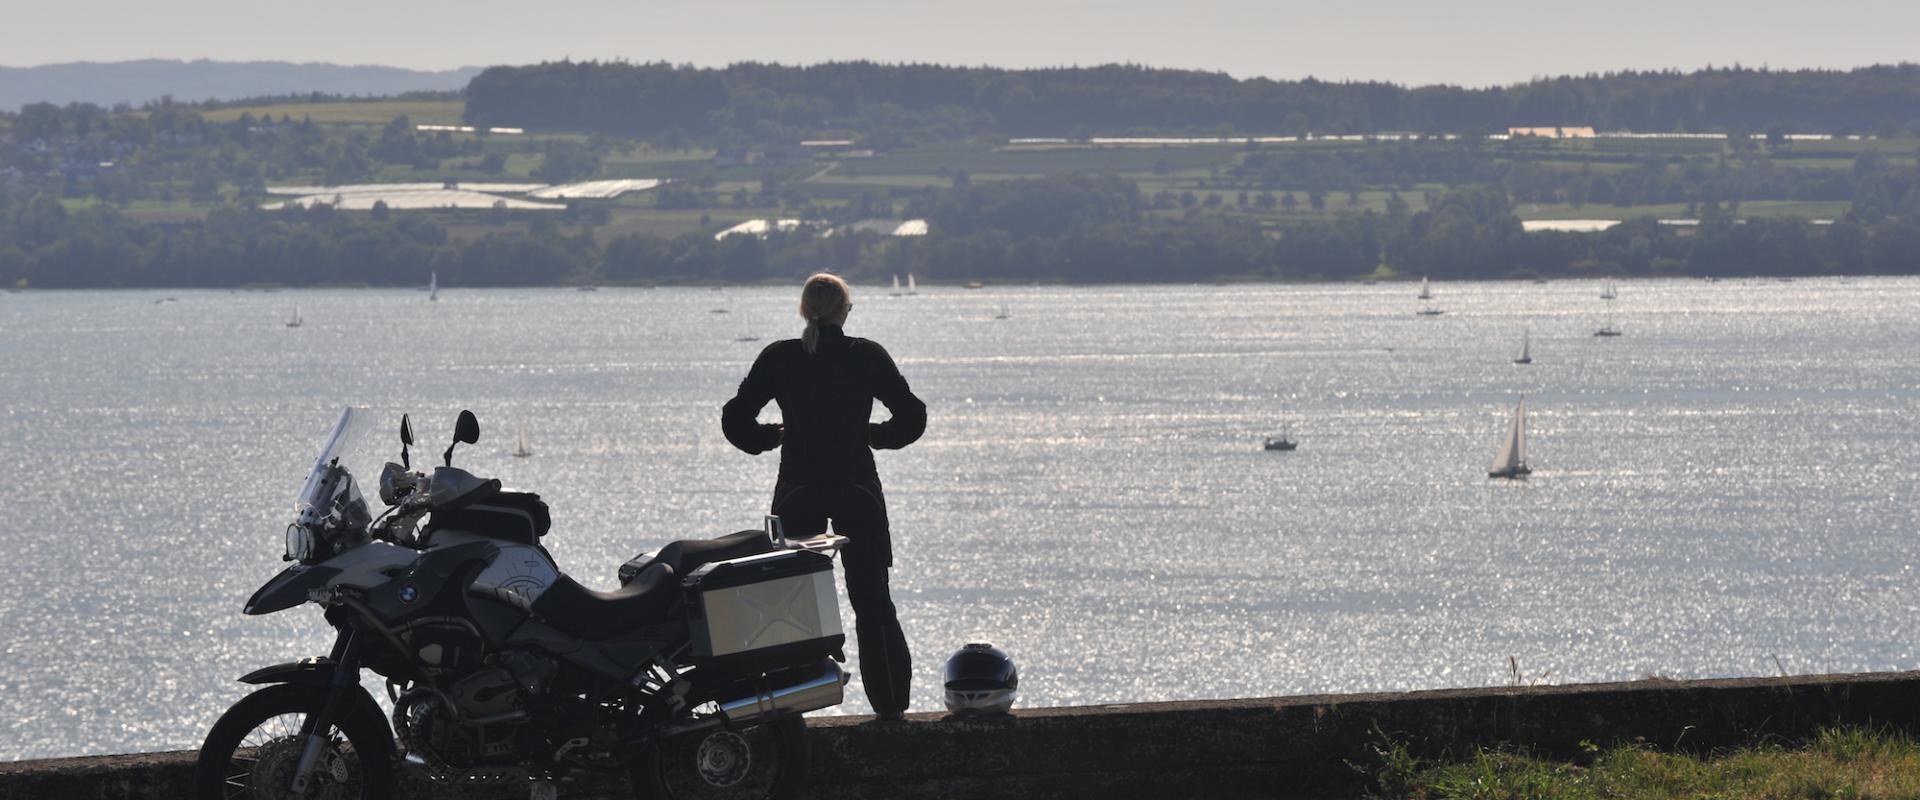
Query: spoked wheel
254, 750
764, 762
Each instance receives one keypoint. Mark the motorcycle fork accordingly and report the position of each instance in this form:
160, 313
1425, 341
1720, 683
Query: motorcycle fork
346, 681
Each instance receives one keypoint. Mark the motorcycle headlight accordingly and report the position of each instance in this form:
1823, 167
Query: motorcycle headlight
302, 544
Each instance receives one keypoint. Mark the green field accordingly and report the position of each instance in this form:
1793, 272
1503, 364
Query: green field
1751, 208
1043, 161
642, 156
147, 210
669, 223
368, 112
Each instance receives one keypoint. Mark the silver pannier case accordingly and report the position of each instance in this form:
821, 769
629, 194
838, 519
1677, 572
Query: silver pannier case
764, 610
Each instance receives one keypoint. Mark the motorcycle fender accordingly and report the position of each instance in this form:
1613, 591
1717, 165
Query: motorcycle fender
307, 672
318, 672
289, 588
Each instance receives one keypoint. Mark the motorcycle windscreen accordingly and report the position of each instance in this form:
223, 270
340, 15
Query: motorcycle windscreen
348, 437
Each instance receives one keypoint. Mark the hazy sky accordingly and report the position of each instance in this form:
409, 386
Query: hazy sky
1407, 41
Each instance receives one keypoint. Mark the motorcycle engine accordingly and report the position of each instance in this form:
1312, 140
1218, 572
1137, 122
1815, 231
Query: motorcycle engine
481, 718
476, 722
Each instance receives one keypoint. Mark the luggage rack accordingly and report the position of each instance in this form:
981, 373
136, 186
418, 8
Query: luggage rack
826, 543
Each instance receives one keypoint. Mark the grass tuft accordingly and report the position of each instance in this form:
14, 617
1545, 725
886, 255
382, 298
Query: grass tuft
1853, 763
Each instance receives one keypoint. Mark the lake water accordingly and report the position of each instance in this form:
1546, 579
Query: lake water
1727, 489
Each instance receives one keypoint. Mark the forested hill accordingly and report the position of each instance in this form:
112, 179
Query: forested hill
769, 102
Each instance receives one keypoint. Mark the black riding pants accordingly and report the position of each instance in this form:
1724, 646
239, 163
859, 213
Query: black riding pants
858, 511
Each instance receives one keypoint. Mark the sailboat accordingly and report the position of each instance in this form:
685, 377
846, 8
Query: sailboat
1005, 313
896, 287
1511, 463
912, 288
1284, 441
1526, 353
433, 286
1607, 329
1426, 293
746, 332
294, 321
1608, 292
520, 447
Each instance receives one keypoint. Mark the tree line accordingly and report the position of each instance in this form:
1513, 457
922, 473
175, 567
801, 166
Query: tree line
1062, 228
889, 104
171, 153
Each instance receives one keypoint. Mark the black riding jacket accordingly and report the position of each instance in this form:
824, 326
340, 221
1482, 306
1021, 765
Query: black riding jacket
826, 405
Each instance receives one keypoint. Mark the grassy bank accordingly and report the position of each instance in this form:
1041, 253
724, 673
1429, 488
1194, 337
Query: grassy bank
1842, 763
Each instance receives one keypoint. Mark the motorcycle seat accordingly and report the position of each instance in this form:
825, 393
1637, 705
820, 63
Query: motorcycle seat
687, 555
596, 615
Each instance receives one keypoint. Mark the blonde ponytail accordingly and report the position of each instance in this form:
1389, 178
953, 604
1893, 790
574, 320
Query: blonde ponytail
825, 299
810, 338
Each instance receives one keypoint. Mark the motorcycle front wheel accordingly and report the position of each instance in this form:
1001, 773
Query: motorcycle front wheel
764, 762
254, 751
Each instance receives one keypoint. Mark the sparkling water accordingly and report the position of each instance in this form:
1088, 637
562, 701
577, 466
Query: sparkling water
1726, 489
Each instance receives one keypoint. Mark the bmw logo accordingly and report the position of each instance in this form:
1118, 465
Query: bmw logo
409, 594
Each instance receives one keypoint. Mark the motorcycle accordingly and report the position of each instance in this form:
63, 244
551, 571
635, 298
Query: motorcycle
692, 676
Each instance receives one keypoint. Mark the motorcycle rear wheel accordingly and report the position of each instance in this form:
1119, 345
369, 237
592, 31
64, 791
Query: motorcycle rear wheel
764, 762
253, 751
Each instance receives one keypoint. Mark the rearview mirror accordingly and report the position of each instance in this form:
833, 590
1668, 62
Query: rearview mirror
406, 440
467, 429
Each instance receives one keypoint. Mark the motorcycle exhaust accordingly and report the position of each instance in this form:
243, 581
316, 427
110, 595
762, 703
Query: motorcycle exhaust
826, 690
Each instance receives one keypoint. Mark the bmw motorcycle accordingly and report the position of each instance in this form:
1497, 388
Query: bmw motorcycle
692, 676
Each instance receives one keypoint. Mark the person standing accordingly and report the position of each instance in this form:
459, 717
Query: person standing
826, 382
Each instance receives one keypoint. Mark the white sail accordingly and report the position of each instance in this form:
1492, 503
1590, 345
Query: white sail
1513, 452
294, 321
1520, 434
1426, 292
896, 286
912, 288
433, 286
1526, 353
520, 448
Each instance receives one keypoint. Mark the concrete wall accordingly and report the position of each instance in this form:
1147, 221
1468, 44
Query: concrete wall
1272, 748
